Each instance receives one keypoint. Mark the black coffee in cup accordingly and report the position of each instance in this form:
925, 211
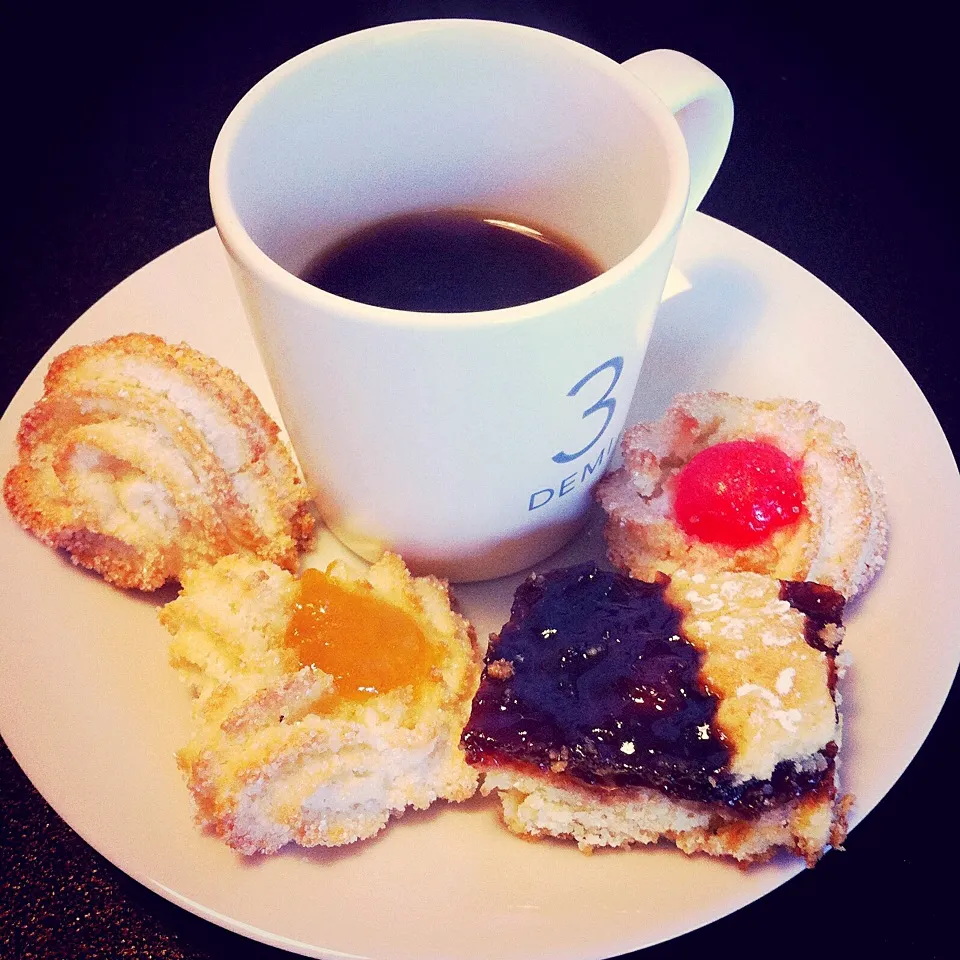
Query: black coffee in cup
451, 261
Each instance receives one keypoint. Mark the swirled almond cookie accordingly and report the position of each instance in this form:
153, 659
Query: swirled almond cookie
143, 459
699, 709
324, 704
722, 482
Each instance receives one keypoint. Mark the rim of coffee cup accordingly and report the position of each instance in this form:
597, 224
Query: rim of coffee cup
241, 245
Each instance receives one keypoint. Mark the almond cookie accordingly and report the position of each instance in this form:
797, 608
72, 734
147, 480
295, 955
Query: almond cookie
325, 704
143, 459
726, 483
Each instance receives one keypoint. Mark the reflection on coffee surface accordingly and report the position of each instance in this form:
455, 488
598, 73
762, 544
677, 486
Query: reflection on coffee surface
451, 261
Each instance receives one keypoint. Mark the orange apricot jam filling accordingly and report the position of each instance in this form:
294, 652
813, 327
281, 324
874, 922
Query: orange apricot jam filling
369, 646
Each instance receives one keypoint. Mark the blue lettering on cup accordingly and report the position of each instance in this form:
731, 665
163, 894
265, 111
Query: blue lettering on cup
533, 505
606, 402
589, 468
567, 484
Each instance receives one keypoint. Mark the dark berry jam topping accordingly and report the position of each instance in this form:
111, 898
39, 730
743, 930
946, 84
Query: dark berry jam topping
820, 604
737, 493
592, 678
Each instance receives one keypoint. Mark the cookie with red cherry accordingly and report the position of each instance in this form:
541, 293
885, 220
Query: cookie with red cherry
727, 483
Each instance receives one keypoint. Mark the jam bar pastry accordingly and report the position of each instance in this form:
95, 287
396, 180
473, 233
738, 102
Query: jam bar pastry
726, 483
325, 704
699, 709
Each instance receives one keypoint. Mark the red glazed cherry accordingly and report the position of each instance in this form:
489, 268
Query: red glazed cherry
738, 493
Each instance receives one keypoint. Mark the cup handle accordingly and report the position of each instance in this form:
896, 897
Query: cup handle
702, 105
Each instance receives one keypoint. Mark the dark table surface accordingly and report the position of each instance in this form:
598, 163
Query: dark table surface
838, 160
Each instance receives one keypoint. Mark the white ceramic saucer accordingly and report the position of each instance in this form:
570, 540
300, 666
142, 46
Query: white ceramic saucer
93, 713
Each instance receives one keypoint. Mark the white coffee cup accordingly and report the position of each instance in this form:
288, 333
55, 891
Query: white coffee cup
467, 442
